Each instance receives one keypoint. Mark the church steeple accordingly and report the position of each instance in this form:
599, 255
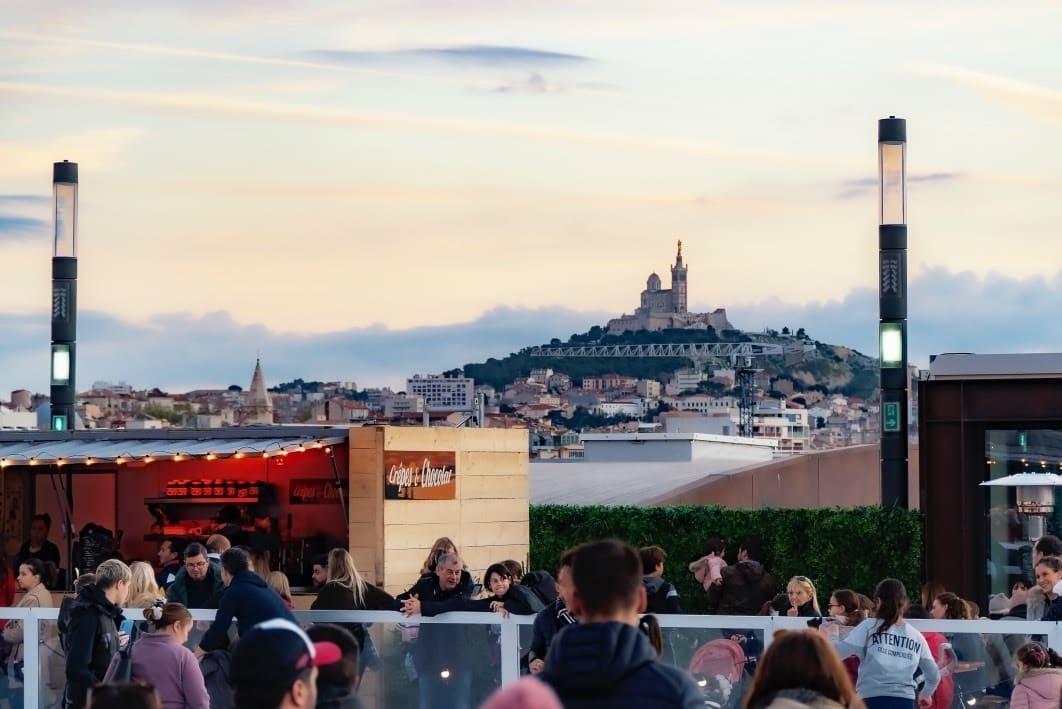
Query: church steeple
257, 402
678, 283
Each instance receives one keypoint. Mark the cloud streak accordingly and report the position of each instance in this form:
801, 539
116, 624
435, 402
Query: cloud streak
262, 110
860, 187
1039, 102
14, 228
489, 55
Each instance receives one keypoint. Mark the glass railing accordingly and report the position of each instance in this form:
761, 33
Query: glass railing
471, 654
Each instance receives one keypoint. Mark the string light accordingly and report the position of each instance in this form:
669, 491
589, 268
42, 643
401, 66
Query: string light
89, 461
239, 454
119, 461
211, 456
3, 462
178, 458
148, 459
60, 462
34, 461
302, 449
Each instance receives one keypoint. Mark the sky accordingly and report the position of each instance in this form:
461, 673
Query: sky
361, 191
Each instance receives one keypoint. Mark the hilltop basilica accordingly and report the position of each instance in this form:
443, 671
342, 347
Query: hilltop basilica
661, 309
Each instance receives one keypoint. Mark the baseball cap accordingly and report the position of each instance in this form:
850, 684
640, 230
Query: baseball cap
276, 651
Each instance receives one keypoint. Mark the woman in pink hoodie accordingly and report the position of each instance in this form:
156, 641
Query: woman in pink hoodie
1039, 682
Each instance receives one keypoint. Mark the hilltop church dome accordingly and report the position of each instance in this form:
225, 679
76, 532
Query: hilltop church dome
653, 283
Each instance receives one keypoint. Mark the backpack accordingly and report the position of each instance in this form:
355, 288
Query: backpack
542, 584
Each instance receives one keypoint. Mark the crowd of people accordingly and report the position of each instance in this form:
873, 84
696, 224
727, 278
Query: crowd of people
127, 638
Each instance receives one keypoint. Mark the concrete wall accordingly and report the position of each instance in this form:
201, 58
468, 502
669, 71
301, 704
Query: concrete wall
488, 519
846, 477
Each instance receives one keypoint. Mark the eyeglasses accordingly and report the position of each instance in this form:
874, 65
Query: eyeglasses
195, 564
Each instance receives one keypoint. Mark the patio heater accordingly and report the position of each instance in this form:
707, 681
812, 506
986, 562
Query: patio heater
892, 307
1036, 498
64, 295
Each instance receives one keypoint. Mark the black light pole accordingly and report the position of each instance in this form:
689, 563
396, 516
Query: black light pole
892, 306
64, 294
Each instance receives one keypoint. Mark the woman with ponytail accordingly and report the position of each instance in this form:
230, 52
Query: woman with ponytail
1039, 682
889, 652
161, 659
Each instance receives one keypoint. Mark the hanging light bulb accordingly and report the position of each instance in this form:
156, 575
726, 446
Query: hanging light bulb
34, 461
89, 461
148, 459
119, 461
211, 456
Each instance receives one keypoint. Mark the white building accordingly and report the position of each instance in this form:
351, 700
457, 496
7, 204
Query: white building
398, 404
634, 409
442, 393
11, 419
776, 422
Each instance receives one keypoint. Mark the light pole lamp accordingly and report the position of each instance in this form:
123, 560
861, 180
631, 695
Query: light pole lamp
892, 307
64, 295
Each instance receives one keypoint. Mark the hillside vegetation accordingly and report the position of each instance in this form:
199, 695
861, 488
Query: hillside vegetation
829, 368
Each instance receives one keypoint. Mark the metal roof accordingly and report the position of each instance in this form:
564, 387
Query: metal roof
996, 366
43, 447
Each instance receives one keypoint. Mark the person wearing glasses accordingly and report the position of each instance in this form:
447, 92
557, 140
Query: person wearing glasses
198, 584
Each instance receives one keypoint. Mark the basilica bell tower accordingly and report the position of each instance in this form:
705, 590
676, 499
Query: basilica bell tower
678, 283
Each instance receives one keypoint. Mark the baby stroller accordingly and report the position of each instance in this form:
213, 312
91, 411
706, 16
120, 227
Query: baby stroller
718, 667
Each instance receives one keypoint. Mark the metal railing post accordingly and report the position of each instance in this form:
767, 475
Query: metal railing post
31, 634
510, 651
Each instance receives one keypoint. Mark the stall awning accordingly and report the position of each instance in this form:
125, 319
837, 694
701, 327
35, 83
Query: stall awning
88, 451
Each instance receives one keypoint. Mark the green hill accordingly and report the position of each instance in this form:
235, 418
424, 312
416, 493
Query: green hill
829, 368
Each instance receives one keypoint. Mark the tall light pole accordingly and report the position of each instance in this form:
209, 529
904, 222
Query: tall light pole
892, 307
64, 294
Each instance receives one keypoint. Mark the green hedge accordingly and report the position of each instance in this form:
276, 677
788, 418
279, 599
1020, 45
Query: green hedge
836, 548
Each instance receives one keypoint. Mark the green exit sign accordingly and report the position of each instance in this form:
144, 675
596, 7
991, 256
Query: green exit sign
890, 415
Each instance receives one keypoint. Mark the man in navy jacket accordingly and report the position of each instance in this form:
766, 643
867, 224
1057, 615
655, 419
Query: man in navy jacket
247, 599
605, 661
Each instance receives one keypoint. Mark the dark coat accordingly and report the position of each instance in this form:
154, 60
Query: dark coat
217, 668
250, 601
613, 666
174, 567
90, 630
746, 587
519, 600
661, 596
1054, 611
436, 644
547, 624
178, 590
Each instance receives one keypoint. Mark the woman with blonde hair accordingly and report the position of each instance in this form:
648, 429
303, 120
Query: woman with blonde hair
346, 590
143, 589
803, 601
278, 581
800, 669
442, 545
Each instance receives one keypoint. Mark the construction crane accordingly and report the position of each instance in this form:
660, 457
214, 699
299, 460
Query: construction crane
737, 354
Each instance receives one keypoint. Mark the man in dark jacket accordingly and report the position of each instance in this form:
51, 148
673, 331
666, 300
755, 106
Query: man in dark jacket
440, 654
247, 598
337, 682
199, 583
170, 551
661, 596
746, 585
606, 661
555, 616
91, 630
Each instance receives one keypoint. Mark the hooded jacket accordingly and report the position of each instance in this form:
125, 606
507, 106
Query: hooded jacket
547, 624
518, 600
613, 666
661, 596
250, 601
746, 587
91, 632
1037, 689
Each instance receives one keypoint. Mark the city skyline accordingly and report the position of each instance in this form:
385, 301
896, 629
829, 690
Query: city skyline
328, 184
